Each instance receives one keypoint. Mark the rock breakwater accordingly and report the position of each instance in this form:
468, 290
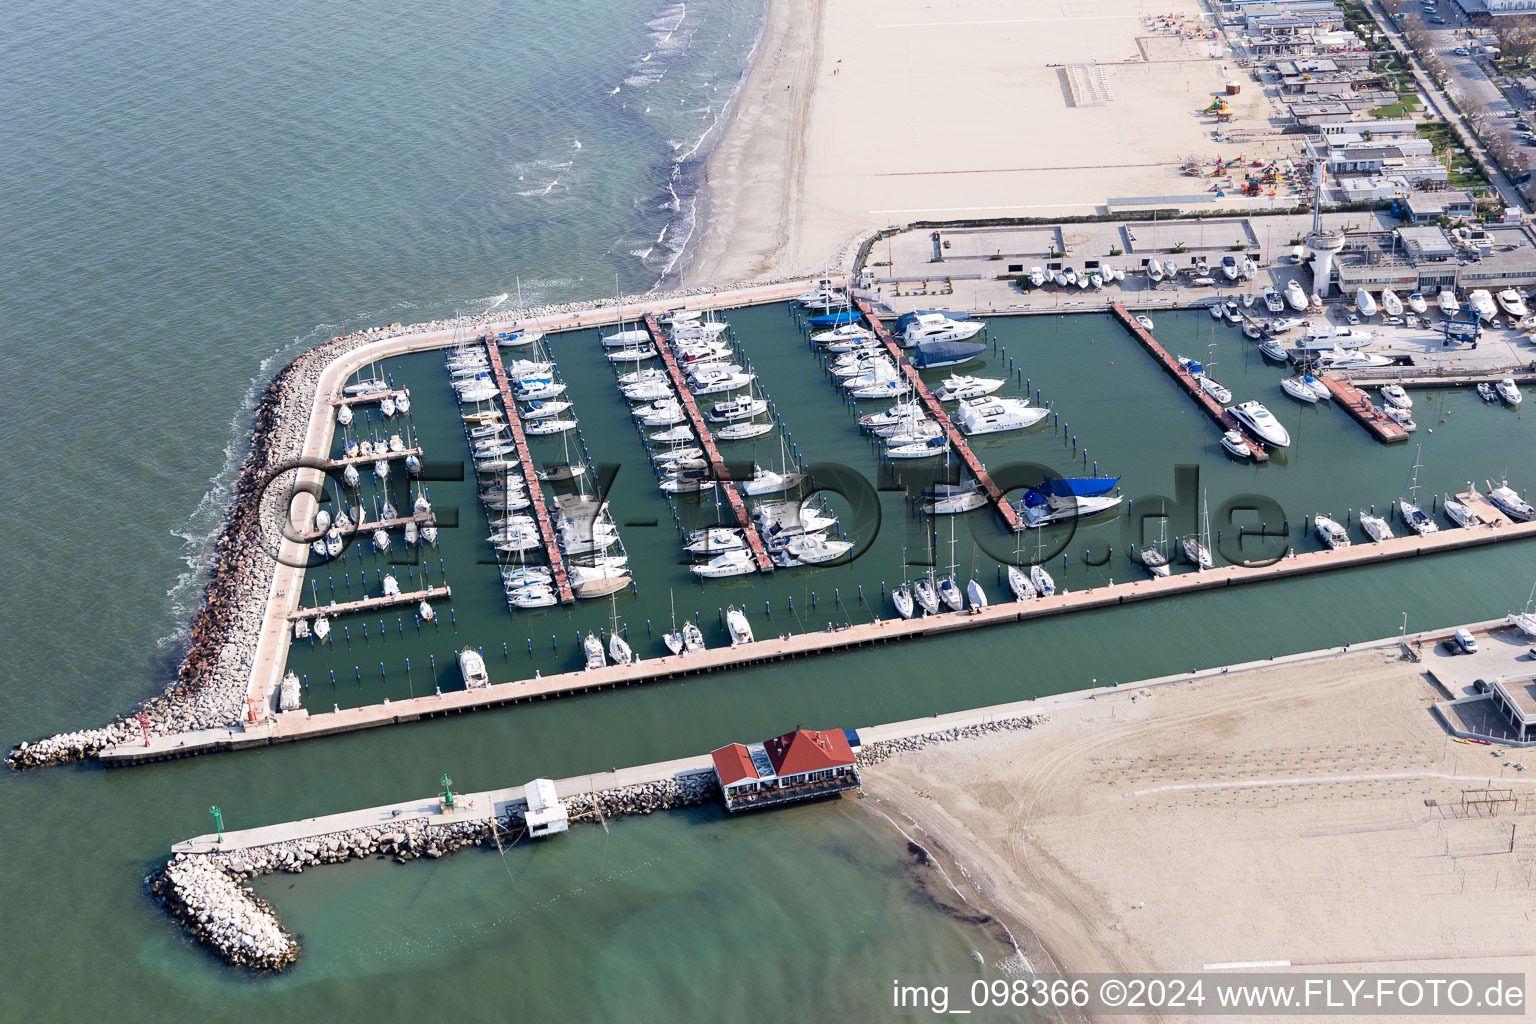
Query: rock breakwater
882, 750
210, 895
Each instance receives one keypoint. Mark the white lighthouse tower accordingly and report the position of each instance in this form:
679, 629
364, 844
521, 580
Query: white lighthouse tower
1325, 245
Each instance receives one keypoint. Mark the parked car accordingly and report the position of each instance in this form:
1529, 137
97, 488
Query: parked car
1462, 51
1480, 685
1466, 641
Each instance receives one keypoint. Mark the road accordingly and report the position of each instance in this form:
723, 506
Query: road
1442, 105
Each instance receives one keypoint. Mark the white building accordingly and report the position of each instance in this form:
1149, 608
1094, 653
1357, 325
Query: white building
546, 815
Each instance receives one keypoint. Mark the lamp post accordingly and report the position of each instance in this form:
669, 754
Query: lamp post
218, 821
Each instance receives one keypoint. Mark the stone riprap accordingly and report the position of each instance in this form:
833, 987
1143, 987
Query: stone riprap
210, 895
881, 750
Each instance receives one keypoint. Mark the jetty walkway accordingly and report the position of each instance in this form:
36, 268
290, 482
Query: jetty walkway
296, 725
360, 460
1359, 405
940, 415
369, 603
1214, 409
718, 473
496, 802
531, 475
374, 396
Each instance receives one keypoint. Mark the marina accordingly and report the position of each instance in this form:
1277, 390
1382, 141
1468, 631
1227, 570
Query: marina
1359, 405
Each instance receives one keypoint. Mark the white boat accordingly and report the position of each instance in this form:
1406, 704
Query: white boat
621, 339
1216, 309
1045, 585
994, 415
380, 540
1233, 442
322, 629
901, 597
1154, 271
1365, 305
1349, 359
619, 650
957, 388
1262, 422
344, 415
938, 327
1390, 303
1330, 532
693, 638
889, 389
926, 595
1447, 302
592, 650
713, 540
1375, 527
631, 355
1509, 391
1272, 300
1145, 321
949, 593
1508, 501
539, 595
1060, 510
542, 410
719, 385
1396, 394
931, 448
1298, 389
1295, 296
387, 407
301, 629
1251, 330
953, 499
1170, 269
1458, 513
334, 543
538, 390
1513, 303
728, 563
843, 333
976, 595
372, 386
744, 431
1036, 279
1215, 390
1229, 268
766, 481
544, 428
1402, 417
1417, 304
810, 549
1525, 621
472, 668
1019, 583
664, 413
680, 454
1233, 314
1482, 303
1069, 275
743, 408
1317, 387
737, 626
1197, 547
1272, 349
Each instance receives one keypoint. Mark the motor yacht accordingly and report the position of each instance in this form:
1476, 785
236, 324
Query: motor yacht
1396, 394
1272, 300
938, 327
1145, 321
737, 626
1229, 268
1262, 422
1417, 304
1447, 302
1513, 303
958, 388
1508, 501
1234, 443
1330, 532
1390, 303
1482, 303
1375, 527
1295, 296
728, 563
991, 415
1509, 391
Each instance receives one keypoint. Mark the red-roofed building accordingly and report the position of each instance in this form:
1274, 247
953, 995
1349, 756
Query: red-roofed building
798, 765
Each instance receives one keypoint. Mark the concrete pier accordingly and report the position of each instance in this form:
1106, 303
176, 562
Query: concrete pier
363, 460
531, 476
936, 409
298, 725
370, 603
717, 468
1212, 408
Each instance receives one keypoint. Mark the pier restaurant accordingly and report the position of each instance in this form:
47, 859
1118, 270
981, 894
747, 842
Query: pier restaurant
798, 765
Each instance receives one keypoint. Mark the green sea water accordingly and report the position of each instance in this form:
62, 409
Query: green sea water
194, 192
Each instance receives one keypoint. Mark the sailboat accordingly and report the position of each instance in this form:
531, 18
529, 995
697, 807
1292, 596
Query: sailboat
1419, 521
1525, 621
673, 638
1197, 548
901, 597
1044, 584
948, 589
1153, 558
618, 648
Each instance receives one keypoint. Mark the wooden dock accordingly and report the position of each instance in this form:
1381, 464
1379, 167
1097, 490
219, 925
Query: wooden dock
296, 725
1486, 510
537, 505
370, 603
936, 409
1214, 409
377, 396
718, 473
397, 523
360, 460
1359, 405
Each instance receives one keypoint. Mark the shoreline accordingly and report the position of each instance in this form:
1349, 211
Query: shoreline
755, 173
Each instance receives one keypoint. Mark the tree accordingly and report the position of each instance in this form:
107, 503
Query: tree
1517, 37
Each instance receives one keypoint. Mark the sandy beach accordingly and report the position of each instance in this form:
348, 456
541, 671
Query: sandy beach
1310, 812
859, 114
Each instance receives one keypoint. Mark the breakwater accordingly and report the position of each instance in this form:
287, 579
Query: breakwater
218, 685
209, 893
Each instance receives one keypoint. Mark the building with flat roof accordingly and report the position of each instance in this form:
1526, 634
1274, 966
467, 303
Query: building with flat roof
798, 765
546, 815
1515, 697
1427, 207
